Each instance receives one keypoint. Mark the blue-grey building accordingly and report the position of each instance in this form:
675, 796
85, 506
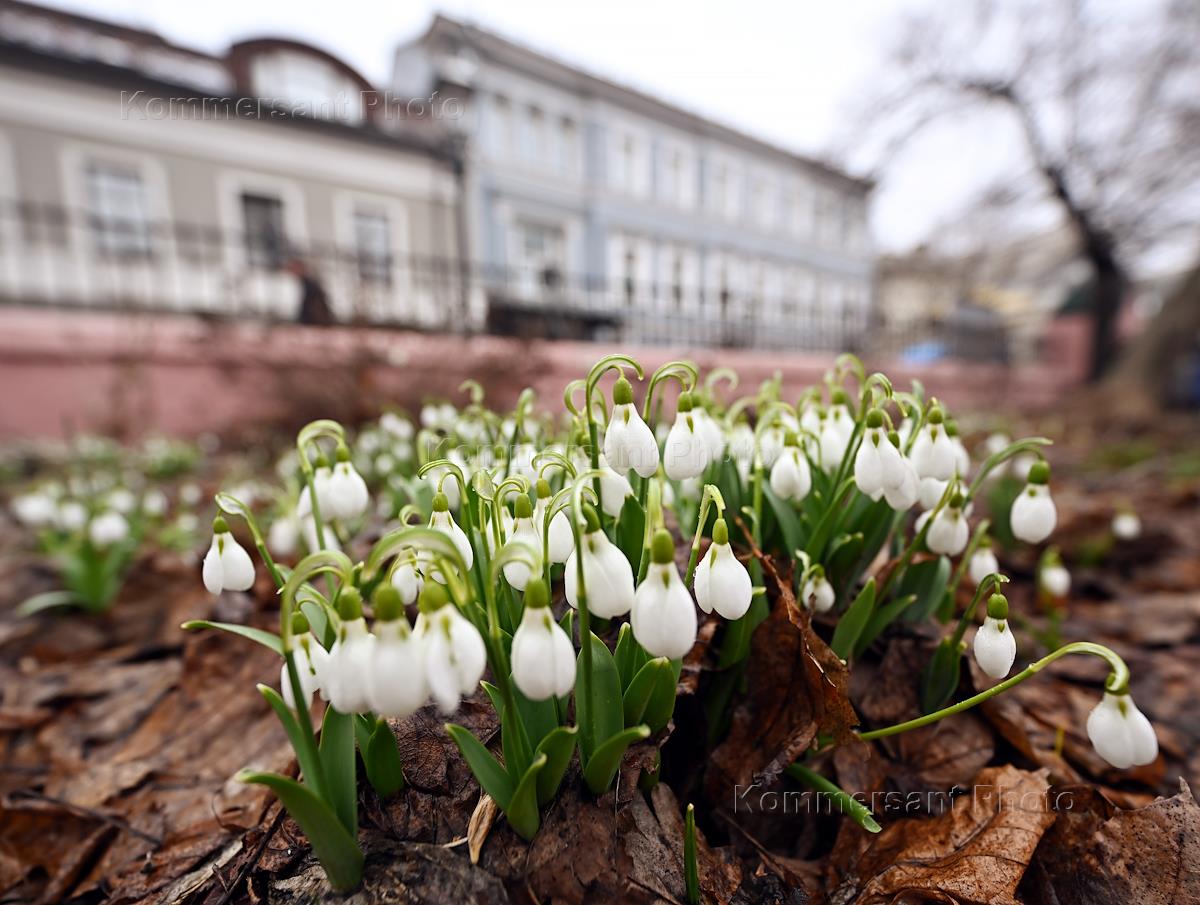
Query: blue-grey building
596, 210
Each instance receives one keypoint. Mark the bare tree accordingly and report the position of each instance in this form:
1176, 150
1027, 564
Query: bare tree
1104, 95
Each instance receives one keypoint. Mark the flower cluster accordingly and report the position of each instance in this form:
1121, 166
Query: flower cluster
492, 511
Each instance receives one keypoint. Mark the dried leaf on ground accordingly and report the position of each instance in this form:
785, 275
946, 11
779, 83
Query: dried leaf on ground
975, 853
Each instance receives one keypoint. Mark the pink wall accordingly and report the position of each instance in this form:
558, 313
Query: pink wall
133, 374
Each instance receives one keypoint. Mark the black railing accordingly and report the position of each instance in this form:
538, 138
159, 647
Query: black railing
58, 257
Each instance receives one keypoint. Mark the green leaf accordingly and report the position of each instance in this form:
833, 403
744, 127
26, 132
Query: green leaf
490, 772
266, 639
661, 706
310, 767
691, 872
736, 645
508, 735
558, 747
786, 518
927, 581
339, 765
382, 760
522, 810
603, 716
49, 600
829, 522
854, 620
540, 717
637, 695
881, 619
600, 769
335, 848
631, 530
941, 676
630, 655
847, 804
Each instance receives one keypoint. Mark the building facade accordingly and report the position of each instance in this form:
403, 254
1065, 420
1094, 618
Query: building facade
137, 173
613, 214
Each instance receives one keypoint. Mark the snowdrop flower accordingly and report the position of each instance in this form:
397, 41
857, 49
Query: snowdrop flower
448, 485
772, 442
441, 520
664, 617
154, 502
561, 543
517, 573
35, 510
522, 461
933, 452
407, 580
455, 656
711, 433
343, 495
1126, 526
685, 454
839, 421
607, 574
1033, 515
878, 465
71, 515
107, 529
818, 593
995, 646
1120, 732
227, 567
962, 458
399, 427
1054, 579
345, 671
189, 494
395, 666
791, 477
628, 441
904, 495
741, 447
543, 658
310, 659
831, 443
308, 530
284, 535
721, 582
930, 491
614, 488
983, 563
948, 531
121, 500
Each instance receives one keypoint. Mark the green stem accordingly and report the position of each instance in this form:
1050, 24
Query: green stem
847, 804
1118, 683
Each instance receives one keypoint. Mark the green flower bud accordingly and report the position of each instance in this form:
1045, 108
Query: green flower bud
1039, 472
997, 606
685, 403
432, 598
590, 518
874, 419
662, 548
524, 508
299, 623
349, 604
622, 391
720, 532
536, 593
220, 526
543, 489
440, 503
387, 603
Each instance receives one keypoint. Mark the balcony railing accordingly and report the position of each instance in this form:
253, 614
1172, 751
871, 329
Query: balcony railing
66, 258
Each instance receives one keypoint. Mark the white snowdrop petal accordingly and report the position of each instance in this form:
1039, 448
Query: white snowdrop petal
995, 647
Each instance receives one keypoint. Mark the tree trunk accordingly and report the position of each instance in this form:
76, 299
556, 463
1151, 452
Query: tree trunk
1108, 291
1145, 371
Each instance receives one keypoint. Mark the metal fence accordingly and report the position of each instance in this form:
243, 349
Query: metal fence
59, 257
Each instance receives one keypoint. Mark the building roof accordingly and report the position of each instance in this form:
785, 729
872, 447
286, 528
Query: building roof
102, 52
507, 52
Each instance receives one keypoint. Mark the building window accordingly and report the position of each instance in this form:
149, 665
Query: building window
117, 209
542, 253
568, 147
629, 164
537, 149
502, 127
264, 236
373, 246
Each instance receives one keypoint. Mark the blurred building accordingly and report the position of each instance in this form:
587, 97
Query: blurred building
600, 211
135, 173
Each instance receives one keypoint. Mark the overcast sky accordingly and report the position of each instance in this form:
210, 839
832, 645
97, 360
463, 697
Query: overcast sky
789, 72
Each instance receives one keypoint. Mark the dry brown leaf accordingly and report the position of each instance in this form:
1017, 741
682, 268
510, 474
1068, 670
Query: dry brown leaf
975, 854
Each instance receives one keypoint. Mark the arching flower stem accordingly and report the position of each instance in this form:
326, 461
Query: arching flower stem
1117, 683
